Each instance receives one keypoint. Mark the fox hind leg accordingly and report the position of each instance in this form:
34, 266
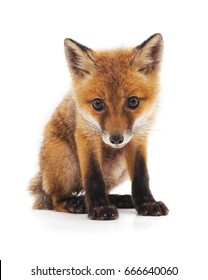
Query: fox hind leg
121, 201
61, 175
76, 203
72, 204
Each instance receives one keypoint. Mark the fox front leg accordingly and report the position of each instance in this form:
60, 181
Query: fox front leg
143, 199
97, 201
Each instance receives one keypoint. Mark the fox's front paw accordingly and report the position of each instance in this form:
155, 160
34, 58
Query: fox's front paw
152, 208
108, 212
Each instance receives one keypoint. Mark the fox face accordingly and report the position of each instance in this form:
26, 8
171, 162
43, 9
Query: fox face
116, 90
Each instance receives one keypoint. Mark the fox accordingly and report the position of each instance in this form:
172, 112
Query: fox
97, 136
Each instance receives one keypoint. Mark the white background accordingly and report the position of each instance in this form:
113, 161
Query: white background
34, 78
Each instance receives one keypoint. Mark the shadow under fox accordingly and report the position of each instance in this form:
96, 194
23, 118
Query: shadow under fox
97, 137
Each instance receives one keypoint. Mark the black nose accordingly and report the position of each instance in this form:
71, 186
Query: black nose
116, 139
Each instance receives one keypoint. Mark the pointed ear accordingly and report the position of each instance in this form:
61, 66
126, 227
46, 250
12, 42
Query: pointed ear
147, 56
79, 58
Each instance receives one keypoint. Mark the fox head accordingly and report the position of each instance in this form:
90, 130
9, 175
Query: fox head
116, 90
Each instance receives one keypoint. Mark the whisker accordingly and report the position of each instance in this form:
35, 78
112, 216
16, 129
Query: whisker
92, 128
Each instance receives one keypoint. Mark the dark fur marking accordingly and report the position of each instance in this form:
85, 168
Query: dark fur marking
82, 47
144, 201
76, 204
73, 204
140, 185
95, 186
146, 41
121, 201
75, 59
154, 54
152, 209
97, 201
103, 213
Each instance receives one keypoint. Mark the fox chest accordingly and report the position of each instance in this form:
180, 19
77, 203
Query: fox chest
114, 169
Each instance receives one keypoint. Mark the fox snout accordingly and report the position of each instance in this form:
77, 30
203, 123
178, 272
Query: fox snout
116, 140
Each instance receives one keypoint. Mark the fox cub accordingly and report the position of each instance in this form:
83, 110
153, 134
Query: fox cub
98, 134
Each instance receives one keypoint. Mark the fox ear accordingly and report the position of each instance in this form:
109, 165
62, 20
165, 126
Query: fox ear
79, 58
147, 56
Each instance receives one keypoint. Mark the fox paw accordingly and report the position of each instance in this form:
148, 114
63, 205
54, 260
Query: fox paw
152, 208
108, 212
77, 205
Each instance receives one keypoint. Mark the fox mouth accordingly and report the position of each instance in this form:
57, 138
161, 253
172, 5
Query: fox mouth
116, 141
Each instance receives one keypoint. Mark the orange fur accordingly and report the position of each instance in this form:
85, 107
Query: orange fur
78, 135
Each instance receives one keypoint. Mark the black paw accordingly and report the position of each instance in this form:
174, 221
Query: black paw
77, 205
152, 208
108, 212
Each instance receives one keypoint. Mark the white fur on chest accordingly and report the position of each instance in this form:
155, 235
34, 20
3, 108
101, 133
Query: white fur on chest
114, 171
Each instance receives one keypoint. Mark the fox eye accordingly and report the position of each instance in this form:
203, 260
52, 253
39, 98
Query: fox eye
132, 102
98, 104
